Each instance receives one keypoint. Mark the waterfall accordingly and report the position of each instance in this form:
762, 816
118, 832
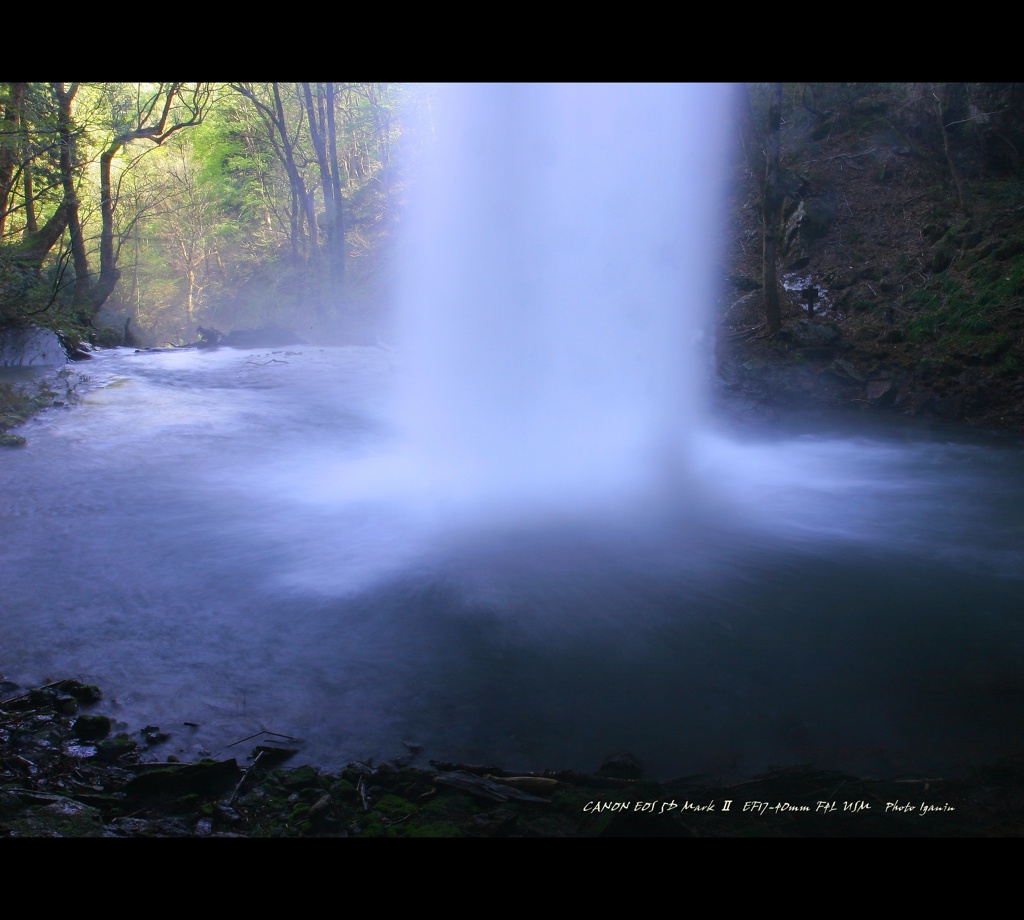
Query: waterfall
554, 324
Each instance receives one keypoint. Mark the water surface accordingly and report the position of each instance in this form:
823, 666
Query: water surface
235, 539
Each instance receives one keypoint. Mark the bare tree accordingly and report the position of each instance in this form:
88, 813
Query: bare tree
11, 145
149, 113
20, 150
159, 114
282, 138
323, 134
938, 92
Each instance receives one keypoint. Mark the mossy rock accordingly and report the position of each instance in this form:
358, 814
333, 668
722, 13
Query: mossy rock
91, 728
298, 778
42, 697
112, 749
84, 693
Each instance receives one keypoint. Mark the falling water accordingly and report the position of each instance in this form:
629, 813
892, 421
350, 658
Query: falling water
565, 246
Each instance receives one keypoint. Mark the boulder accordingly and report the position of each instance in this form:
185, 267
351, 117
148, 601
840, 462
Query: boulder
31, 346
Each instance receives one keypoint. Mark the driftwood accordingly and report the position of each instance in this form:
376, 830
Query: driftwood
237, 789
484, 788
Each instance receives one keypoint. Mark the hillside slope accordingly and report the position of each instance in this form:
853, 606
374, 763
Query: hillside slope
918, 289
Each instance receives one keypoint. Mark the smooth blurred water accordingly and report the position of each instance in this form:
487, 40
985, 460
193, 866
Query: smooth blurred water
555, 304
219, 537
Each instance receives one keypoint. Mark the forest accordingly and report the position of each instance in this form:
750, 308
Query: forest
136, 212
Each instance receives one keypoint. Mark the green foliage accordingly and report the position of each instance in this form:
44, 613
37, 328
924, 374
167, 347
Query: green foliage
924, 299
949, 311
922, 328
232, 163
1012, 365
1011, 284
18, 403
208, 226
985, 273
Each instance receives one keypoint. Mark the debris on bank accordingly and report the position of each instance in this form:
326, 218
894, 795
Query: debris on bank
64, 774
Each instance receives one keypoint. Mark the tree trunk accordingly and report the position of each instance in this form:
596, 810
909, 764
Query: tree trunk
109, 272
323, 136
300, 196
939, 94
31, 224
65, 128
772, 205
338, 241
752, 140
13, 108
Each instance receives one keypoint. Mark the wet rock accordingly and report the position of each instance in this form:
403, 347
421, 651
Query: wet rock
808, 223
49, 815
881, 392
814, 334
845, 371
300, 778
32, 346
271, 755
151, 734
622, 765
205, 776
91, 728
113, 749
84, 693
159, 827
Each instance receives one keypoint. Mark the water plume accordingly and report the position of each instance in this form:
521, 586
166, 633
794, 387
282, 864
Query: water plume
554, 340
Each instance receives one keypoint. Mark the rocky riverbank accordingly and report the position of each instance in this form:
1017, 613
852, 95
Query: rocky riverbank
64, 774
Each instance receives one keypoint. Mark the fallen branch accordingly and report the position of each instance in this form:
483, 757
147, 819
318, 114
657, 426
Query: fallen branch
485, 788
234, 794
257, 734
50, 686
